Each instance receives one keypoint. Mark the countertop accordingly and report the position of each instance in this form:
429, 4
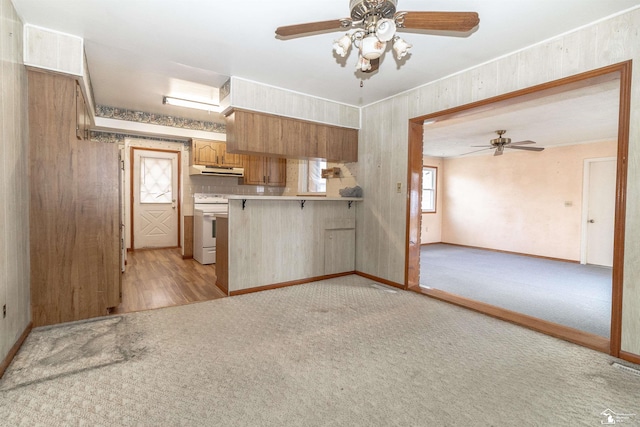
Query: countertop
284, 198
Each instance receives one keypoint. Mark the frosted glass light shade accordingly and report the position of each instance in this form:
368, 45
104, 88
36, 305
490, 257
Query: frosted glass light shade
371, 47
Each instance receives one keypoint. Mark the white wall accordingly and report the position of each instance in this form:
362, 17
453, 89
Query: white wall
383, 147
14, 183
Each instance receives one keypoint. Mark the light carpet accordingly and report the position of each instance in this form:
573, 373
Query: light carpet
341, 352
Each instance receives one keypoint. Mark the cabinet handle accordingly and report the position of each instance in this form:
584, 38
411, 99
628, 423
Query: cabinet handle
264, 179
268, 178
223, 159
217, 160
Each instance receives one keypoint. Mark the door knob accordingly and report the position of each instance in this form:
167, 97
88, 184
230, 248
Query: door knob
591, 221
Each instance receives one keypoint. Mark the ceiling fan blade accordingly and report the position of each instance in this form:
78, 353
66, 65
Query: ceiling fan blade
312, 27
442, 21
375, 64
523, 142
485, 146
471, 152
525, 148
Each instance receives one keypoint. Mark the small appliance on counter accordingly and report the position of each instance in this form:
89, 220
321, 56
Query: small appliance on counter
204, 225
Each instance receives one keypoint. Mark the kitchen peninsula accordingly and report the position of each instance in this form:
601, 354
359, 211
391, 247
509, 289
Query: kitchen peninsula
272, 241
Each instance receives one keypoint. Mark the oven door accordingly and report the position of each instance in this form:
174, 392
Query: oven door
208, 230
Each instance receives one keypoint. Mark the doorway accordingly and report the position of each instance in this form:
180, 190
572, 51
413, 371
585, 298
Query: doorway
620, 71
155, 192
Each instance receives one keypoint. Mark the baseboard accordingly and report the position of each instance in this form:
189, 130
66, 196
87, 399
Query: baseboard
513, 253
291, 283
433, 243
629, 357
381, 280
7, 360
594, 342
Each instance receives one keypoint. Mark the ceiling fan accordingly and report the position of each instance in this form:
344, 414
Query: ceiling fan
375, 23
501, 143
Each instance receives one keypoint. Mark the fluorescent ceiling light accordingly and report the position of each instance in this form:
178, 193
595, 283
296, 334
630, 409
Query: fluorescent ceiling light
178, 102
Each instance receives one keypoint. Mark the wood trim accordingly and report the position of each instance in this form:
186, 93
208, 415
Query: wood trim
381, 280
414, 211
131, 186
566, 333
290, 283
624, 119
513, 253
621, 70
629, 357
14, 350
188, 237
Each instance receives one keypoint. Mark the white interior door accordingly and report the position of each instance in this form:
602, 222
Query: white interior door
601, 201
155, 193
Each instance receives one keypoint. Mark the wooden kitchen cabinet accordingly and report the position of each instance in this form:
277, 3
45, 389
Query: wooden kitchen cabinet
214, 153
269, 171
74, 220
256, 133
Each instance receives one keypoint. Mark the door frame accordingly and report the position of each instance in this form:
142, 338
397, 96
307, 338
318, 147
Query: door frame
586, 179
131, 188
414, 175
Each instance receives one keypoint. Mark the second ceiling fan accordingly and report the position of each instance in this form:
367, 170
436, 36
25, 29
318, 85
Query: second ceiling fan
375, 23
500, 143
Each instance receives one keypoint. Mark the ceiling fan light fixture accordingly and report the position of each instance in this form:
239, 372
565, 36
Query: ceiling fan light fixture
385, 29
342, 45
371, 47
401, 47
363, 64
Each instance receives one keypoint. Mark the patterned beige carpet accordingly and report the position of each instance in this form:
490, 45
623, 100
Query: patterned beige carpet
340, 352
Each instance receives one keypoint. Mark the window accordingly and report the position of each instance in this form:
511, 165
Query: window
429, 188
155, 180
311, 180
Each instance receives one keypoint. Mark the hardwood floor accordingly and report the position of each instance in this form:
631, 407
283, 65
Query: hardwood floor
161, 278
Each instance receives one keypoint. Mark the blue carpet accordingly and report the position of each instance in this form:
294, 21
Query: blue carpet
574, 295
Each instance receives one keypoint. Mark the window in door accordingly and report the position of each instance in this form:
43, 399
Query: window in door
155, 180
429, 188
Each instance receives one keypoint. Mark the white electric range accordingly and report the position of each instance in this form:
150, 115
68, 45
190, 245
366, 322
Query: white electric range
204, 225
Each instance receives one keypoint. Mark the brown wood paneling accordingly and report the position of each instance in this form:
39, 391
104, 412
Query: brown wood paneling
414, 211
74, 216
188, 237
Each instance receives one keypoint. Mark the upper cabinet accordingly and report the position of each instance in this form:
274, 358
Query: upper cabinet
214, 153
269, 171
250, 132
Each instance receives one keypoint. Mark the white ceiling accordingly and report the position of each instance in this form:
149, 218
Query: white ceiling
140, 50
582, 115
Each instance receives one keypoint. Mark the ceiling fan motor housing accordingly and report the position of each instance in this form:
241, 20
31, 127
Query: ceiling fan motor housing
500, 141
360, 9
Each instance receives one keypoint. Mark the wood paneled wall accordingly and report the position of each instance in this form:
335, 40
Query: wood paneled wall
382, 219
74, 215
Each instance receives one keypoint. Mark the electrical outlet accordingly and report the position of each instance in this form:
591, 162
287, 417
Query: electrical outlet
4, 311
399, 187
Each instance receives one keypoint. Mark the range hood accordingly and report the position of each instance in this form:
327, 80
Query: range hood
215, 171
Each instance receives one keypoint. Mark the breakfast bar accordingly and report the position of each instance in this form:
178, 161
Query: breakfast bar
266, 242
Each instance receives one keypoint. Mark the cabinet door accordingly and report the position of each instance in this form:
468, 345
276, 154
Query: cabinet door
230, 160
254, 172
205, 153
276, 171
